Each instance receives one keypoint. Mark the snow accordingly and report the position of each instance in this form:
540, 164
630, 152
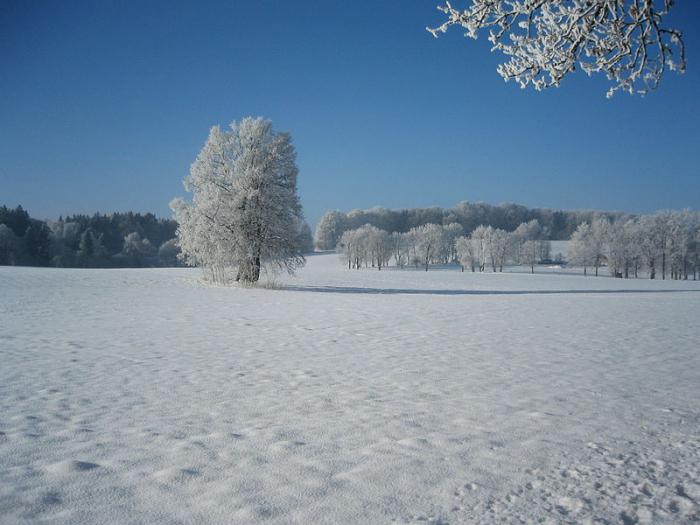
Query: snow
132, 396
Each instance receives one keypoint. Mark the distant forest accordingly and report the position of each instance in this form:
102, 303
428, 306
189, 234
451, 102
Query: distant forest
114, 240
556, 224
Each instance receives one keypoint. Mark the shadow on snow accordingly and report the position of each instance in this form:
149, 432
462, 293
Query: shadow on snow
409, 291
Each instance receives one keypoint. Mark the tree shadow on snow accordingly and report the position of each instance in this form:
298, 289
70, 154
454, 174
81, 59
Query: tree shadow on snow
410, 291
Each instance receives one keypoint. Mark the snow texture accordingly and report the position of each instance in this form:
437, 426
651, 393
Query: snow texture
143, 396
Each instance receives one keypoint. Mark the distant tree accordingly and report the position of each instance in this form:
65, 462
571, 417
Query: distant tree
306, 240
16, 219
581, 251
499, 245
430, 240
87, 246
452, 232
547, 40
136, 249
466, 253
530, 239
329, 230
379, 245
479, 238
9, 246
600, 229
400, 248
353, 248
37, 243
168, 253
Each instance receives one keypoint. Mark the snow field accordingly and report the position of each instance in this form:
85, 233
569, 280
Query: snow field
137, 396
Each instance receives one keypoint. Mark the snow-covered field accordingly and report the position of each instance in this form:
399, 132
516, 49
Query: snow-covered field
142, 396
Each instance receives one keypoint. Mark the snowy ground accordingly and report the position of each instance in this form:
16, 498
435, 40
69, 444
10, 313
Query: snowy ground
141, 396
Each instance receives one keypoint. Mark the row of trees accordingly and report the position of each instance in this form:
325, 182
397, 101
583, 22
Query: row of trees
113, 240
436, 244
665, 243
558, 224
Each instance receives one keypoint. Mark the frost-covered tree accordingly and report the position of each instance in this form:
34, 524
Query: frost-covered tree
648, 244
306, 239
466, 253
695, 247
530, 238
497, 245
366, 245
168, 253
452, 232
136, 249
400, 246
430, 240
600, 228
245, 210
580, 248
329, 230
378, 246
479, 241
618, 249
545, 40
660, 233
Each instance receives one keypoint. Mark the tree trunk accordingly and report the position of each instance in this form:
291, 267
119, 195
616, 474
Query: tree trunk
256, 269
663, 266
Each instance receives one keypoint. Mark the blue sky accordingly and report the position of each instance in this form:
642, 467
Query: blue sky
104, 105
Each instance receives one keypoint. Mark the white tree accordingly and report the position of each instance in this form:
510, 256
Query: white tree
545, 40
350, 246
379, 246
695, 246
329, 230
430, 239
245, 211
452, 232
499, 246
466, 253
618, 250
530, 237
580, 251
648, 244
600, 228
400, 248
134, 246
479, 244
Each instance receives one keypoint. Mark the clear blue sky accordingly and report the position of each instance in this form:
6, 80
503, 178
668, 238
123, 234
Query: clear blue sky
104, 105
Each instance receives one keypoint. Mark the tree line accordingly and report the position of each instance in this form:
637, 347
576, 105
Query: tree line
430, 244
87, 241
664, 244
557, 224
